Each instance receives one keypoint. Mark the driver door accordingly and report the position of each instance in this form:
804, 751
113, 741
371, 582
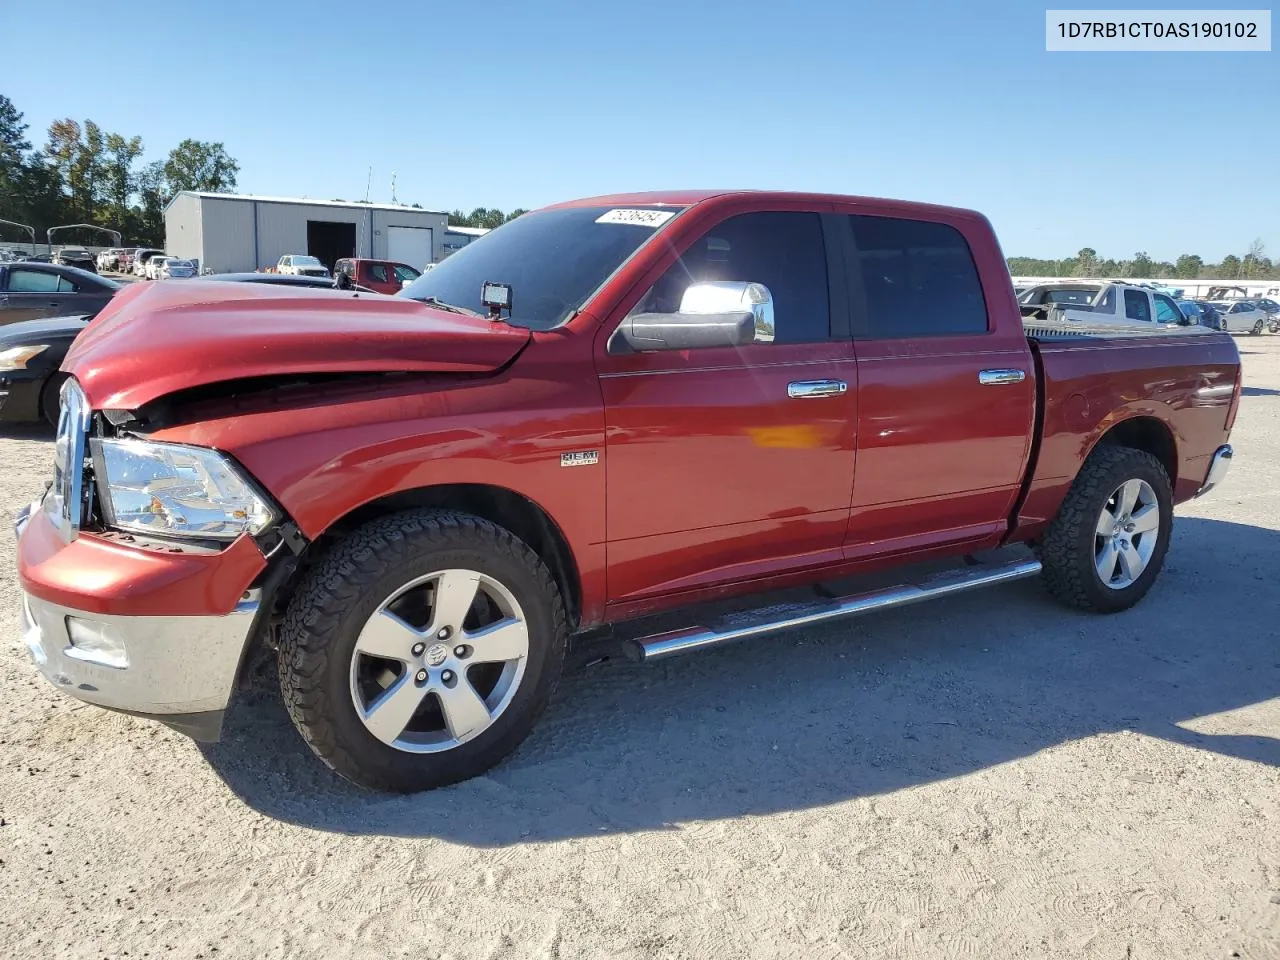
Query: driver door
726, 464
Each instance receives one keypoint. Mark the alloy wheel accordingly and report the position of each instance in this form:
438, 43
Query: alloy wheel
1126, 534
439, 661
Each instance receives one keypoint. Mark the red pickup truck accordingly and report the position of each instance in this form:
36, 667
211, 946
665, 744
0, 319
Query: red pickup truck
604, 409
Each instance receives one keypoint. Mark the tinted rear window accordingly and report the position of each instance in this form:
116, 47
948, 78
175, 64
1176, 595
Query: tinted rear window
919, 279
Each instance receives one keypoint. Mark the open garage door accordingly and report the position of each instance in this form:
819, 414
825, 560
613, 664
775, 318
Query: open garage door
330, 242
411, 245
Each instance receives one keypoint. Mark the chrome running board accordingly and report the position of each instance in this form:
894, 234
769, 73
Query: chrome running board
756, 623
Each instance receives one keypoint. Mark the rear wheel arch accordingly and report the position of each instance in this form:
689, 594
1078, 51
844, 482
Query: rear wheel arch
1149, 434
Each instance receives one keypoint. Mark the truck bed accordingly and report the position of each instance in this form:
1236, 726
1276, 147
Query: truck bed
1185, 377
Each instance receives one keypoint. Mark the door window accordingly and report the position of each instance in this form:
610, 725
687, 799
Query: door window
1137, 306
36, 281
919, 279
783, 251
1166, 312
406, 274
378, 272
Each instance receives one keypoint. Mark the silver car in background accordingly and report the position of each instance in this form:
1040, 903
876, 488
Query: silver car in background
1241, 316
173, 268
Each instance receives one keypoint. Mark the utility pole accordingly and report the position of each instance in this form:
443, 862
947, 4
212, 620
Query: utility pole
393, 186
368, 182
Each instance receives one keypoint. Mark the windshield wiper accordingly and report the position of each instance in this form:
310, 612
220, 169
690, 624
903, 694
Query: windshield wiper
448, 307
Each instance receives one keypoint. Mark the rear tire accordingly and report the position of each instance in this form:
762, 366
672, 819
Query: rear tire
459, 697
1105, 548
1257, 328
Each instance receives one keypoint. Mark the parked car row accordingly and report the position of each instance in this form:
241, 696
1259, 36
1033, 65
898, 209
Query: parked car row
1096, 302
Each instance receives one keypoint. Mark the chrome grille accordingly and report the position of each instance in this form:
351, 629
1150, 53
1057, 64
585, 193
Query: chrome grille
64, 502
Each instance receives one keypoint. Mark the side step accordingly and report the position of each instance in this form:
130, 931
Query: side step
757, 623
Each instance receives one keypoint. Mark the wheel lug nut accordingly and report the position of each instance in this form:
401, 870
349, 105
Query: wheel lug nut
421, 676
460, 651
418, 648
443, 634
447, 676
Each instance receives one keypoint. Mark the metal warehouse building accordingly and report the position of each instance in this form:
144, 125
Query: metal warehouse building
227, 232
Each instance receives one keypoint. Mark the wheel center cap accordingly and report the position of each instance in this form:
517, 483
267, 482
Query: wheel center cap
436, 654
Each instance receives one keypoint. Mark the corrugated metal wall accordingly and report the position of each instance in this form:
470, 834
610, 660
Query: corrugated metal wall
183, 232
234, 234
282, 228
227, 226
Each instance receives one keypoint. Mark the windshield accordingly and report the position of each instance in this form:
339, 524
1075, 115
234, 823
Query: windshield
553, 260
306, 262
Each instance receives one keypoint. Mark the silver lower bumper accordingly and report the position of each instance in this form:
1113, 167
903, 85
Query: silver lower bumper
1219, 467
180, 670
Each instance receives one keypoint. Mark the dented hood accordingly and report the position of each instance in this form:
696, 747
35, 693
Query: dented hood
156, 338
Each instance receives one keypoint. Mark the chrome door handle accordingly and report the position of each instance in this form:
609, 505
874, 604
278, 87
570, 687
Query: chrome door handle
993, 377
800, 389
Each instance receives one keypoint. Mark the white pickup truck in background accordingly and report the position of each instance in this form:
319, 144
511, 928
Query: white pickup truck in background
1115, 303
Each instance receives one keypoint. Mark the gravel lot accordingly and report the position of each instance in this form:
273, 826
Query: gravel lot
991, 776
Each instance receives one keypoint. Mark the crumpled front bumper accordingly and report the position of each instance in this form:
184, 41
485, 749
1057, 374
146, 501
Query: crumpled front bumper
177, 669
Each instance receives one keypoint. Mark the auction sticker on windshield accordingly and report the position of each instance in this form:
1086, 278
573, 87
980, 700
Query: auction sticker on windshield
638, 218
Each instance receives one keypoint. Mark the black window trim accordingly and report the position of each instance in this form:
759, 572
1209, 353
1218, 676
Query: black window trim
859, 322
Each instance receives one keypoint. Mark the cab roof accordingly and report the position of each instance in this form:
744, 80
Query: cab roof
686, 198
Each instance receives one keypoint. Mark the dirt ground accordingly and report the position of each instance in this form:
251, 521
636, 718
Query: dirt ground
990, 776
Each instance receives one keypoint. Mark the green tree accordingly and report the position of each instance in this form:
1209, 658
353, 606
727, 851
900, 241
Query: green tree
1188, 266
1230, 268
122, 153
13, 149
1141, 266
153, 194
197, 165
1086, 262
1255, 265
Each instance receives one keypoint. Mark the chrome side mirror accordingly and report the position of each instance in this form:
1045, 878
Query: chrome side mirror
721, 313
732, 296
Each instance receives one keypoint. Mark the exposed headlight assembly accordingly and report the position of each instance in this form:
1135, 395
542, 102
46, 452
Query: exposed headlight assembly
170, 489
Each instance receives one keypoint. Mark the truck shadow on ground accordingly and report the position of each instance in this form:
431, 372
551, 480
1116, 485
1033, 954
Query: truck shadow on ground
820, 716
1259, 392
26, 431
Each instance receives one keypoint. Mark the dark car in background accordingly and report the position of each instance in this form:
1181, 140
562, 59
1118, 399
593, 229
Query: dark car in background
30, 290
76, 257
31, 352
1272, 309
1209, 315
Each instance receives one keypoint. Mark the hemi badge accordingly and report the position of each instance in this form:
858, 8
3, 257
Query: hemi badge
580, 458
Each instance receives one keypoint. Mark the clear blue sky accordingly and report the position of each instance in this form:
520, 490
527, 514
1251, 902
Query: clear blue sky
520, 104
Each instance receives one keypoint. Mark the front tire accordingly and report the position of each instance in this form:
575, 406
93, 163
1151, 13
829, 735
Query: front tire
51, 399
1104, 549
421, 650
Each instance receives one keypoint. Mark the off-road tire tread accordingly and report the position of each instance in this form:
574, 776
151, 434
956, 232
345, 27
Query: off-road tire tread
336, 584
1066, 578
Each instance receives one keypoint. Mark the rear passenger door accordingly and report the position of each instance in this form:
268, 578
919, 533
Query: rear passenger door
946, 387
